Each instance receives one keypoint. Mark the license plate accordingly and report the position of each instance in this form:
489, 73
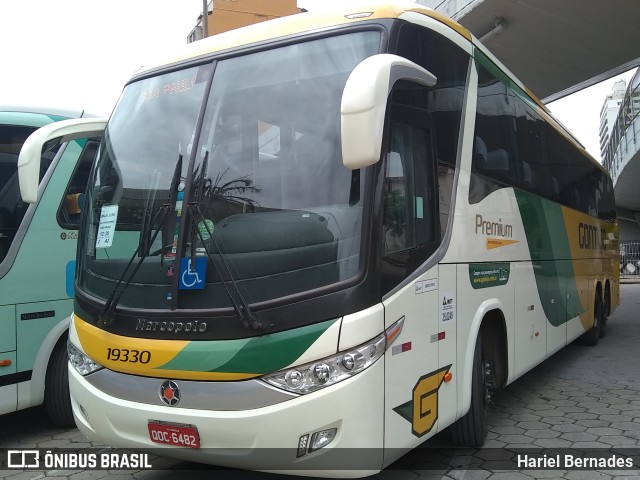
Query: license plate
176, 434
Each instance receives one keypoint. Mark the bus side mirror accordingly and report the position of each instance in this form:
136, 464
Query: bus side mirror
29, 159
364, 105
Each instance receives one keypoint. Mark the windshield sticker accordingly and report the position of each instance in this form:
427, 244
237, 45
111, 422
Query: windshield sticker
424, 286
484, 275
419, 207
206, 229
176, 232
108, 217
448, 306
192, 275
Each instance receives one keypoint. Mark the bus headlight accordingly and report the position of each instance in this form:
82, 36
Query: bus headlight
83, 364
313, 376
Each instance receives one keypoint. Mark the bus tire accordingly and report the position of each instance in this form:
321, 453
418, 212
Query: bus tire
603, 327
606, 311
471, 430
56, 390
590, 337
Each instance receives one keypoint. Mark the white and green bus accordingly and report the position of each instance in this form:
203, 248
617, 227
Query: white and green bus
37, 262
329, 234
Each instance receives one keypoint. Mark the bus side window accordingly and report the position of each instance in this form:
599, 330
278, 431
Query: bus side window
444, 101
12, 208
395, 204
410, 219
72, 203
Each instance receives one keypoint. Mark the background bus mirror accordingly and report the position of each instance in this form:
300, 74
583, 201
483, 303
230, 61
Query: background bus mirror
364, 104
29, 160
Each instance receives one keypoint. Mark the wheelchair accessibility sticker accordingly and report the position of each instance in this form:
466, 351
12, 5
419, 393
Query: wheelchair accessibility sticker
192, 276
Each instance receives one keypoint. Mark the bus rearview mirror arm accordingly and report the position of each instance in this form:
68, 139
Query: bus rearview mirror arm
29, 159
364, 104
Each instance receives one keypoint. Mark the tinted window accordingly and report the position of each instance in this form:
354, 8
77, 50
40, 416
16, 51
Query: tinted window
410, 218
515, 147
12, 208
444, 101
495, 151
73, 200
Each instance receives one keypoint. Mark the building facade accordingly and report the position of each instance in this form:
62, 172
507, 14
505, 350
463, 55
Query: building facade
609, 114
225, 15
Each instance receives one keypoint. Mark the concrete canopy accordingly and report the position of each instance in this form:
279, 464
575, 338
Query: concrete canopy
555, 47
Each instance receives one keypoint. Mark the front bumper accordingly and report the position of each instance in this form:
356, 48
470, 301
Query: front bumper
264, 438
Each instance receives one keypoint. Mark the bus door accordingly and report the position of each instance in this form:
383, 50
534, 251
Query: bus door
411, 234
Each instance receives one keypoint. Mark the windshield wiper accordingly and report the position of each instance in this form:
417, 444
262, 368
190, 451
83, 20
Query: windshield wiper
239, 304
173, 197
107, 314
237, 300
199, 193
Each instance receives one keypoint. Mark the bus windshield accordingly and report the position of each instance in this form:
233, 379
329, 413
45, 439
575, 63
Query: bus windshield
256, 190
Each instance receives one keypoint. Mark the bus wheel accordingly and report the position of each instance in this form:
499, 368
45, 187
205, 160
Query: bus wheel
606, 308
471, 430
56, 388
591, 336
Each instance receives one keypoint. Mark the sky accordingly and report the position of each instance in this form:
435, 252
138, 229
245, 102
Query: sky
580, 112
78, 54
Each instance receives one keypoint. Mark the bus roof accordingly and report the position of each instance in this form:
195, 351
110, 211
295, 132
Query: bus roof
325, 18
317, 20
44, 110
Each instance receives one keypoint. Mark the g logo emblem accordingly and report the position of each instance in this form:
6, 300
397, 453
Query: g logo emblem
169, 393
425, 402
422, 410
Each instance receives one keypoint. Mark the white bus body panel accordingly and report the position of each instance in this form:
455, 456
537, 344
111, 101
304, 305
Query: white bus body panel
359, 420
412, 356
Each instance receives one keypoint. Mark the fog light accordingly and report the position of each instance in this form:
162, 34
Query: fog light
322, 439
302, 445
85, 414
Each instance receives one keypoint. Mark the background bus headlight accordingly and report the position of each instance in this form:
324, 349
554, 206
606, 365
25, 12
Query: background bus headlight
83, 364
313, 376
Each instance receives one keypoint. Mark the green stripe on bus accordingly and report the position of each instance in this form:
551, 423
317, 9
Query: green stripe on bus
550, 252
27, 119
263, 354
57, 118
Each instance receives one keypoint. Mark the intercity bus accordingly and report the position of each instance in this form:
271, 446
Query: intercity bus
313, 243
37, 262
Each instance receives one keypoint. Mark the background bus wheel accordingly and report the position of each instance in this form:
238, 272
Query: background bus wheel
606, 308
591, 337
56, 388
471, 430
603, 326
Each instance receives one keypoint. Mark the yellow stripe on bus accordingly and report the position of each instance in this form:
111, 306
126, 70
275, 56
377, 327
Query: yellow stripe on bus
587, 236
143, 356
